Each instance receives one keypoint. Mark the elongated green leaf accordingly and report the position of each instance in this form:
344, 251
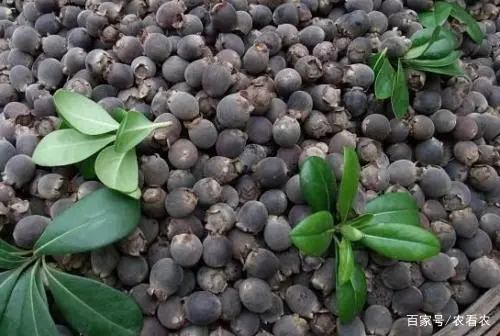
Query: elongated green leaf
118, 171
442, 11
134, 128
473, 29
447, 60
434, 37
398, 207
384, 80
99, 219
359, 220
349, 183
376, 60
318, 184
83, 114
346, 261
68, 146
351, 296
450, 70
12, 318
400, 99
400, 241
7, 281
438, 49
118, 114
427, 19
93, 308
415, 52
9, 260
421, 37
36, 319
313, 234
4, 246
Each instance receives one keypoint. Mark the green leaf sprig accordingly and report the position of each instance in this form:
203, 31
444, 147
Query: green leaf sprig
89, 306
433, 49
390, 226
102, 145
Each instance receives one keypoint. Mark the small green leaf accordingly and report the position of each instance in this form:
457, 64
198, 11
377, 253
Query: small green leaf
427, 19
7, 281
351, 233
450, 70
464, 17
99, 219
376, 60
415, 52
134, 128
346, 261
83, 114
64, 124
68, 146
434, 37
397, 207
318, 184
93, 308
349, 183
313, 234
118, 171
400, 99
400, 241
447, 60
442, 11
421, 37
351, 296
359, 220
35, 313
383, 82
438, 49
118, 114
87, 167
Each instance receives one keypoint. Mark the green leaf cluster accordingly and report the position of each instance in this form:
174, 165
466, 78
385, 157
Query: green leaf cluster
102, 145
433, 49
89, 307
389, 226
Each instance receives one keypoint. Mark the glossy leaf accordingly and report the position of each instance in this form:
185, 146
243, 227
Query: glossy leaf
450, 70
473, 29
416, 51
87, 167
118, 171
118, 114
376, 61
438, 49
99, 219
136, 194
434, 37
83, 114
134, 128
383, 82
360, 220
400, 99
351, 233
318, 184
400, 241
398, 207
9, 260
68, 146
36, 319
12, 318
447, 60
442, 11
349, 184
8, 280
4, 246
346, 261
351, 296
313, 234
421, 37
93, 308
427, 19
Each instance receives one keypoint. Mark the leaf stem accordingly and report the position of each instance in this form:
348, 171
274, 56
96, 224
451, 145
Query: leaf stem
162, 124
